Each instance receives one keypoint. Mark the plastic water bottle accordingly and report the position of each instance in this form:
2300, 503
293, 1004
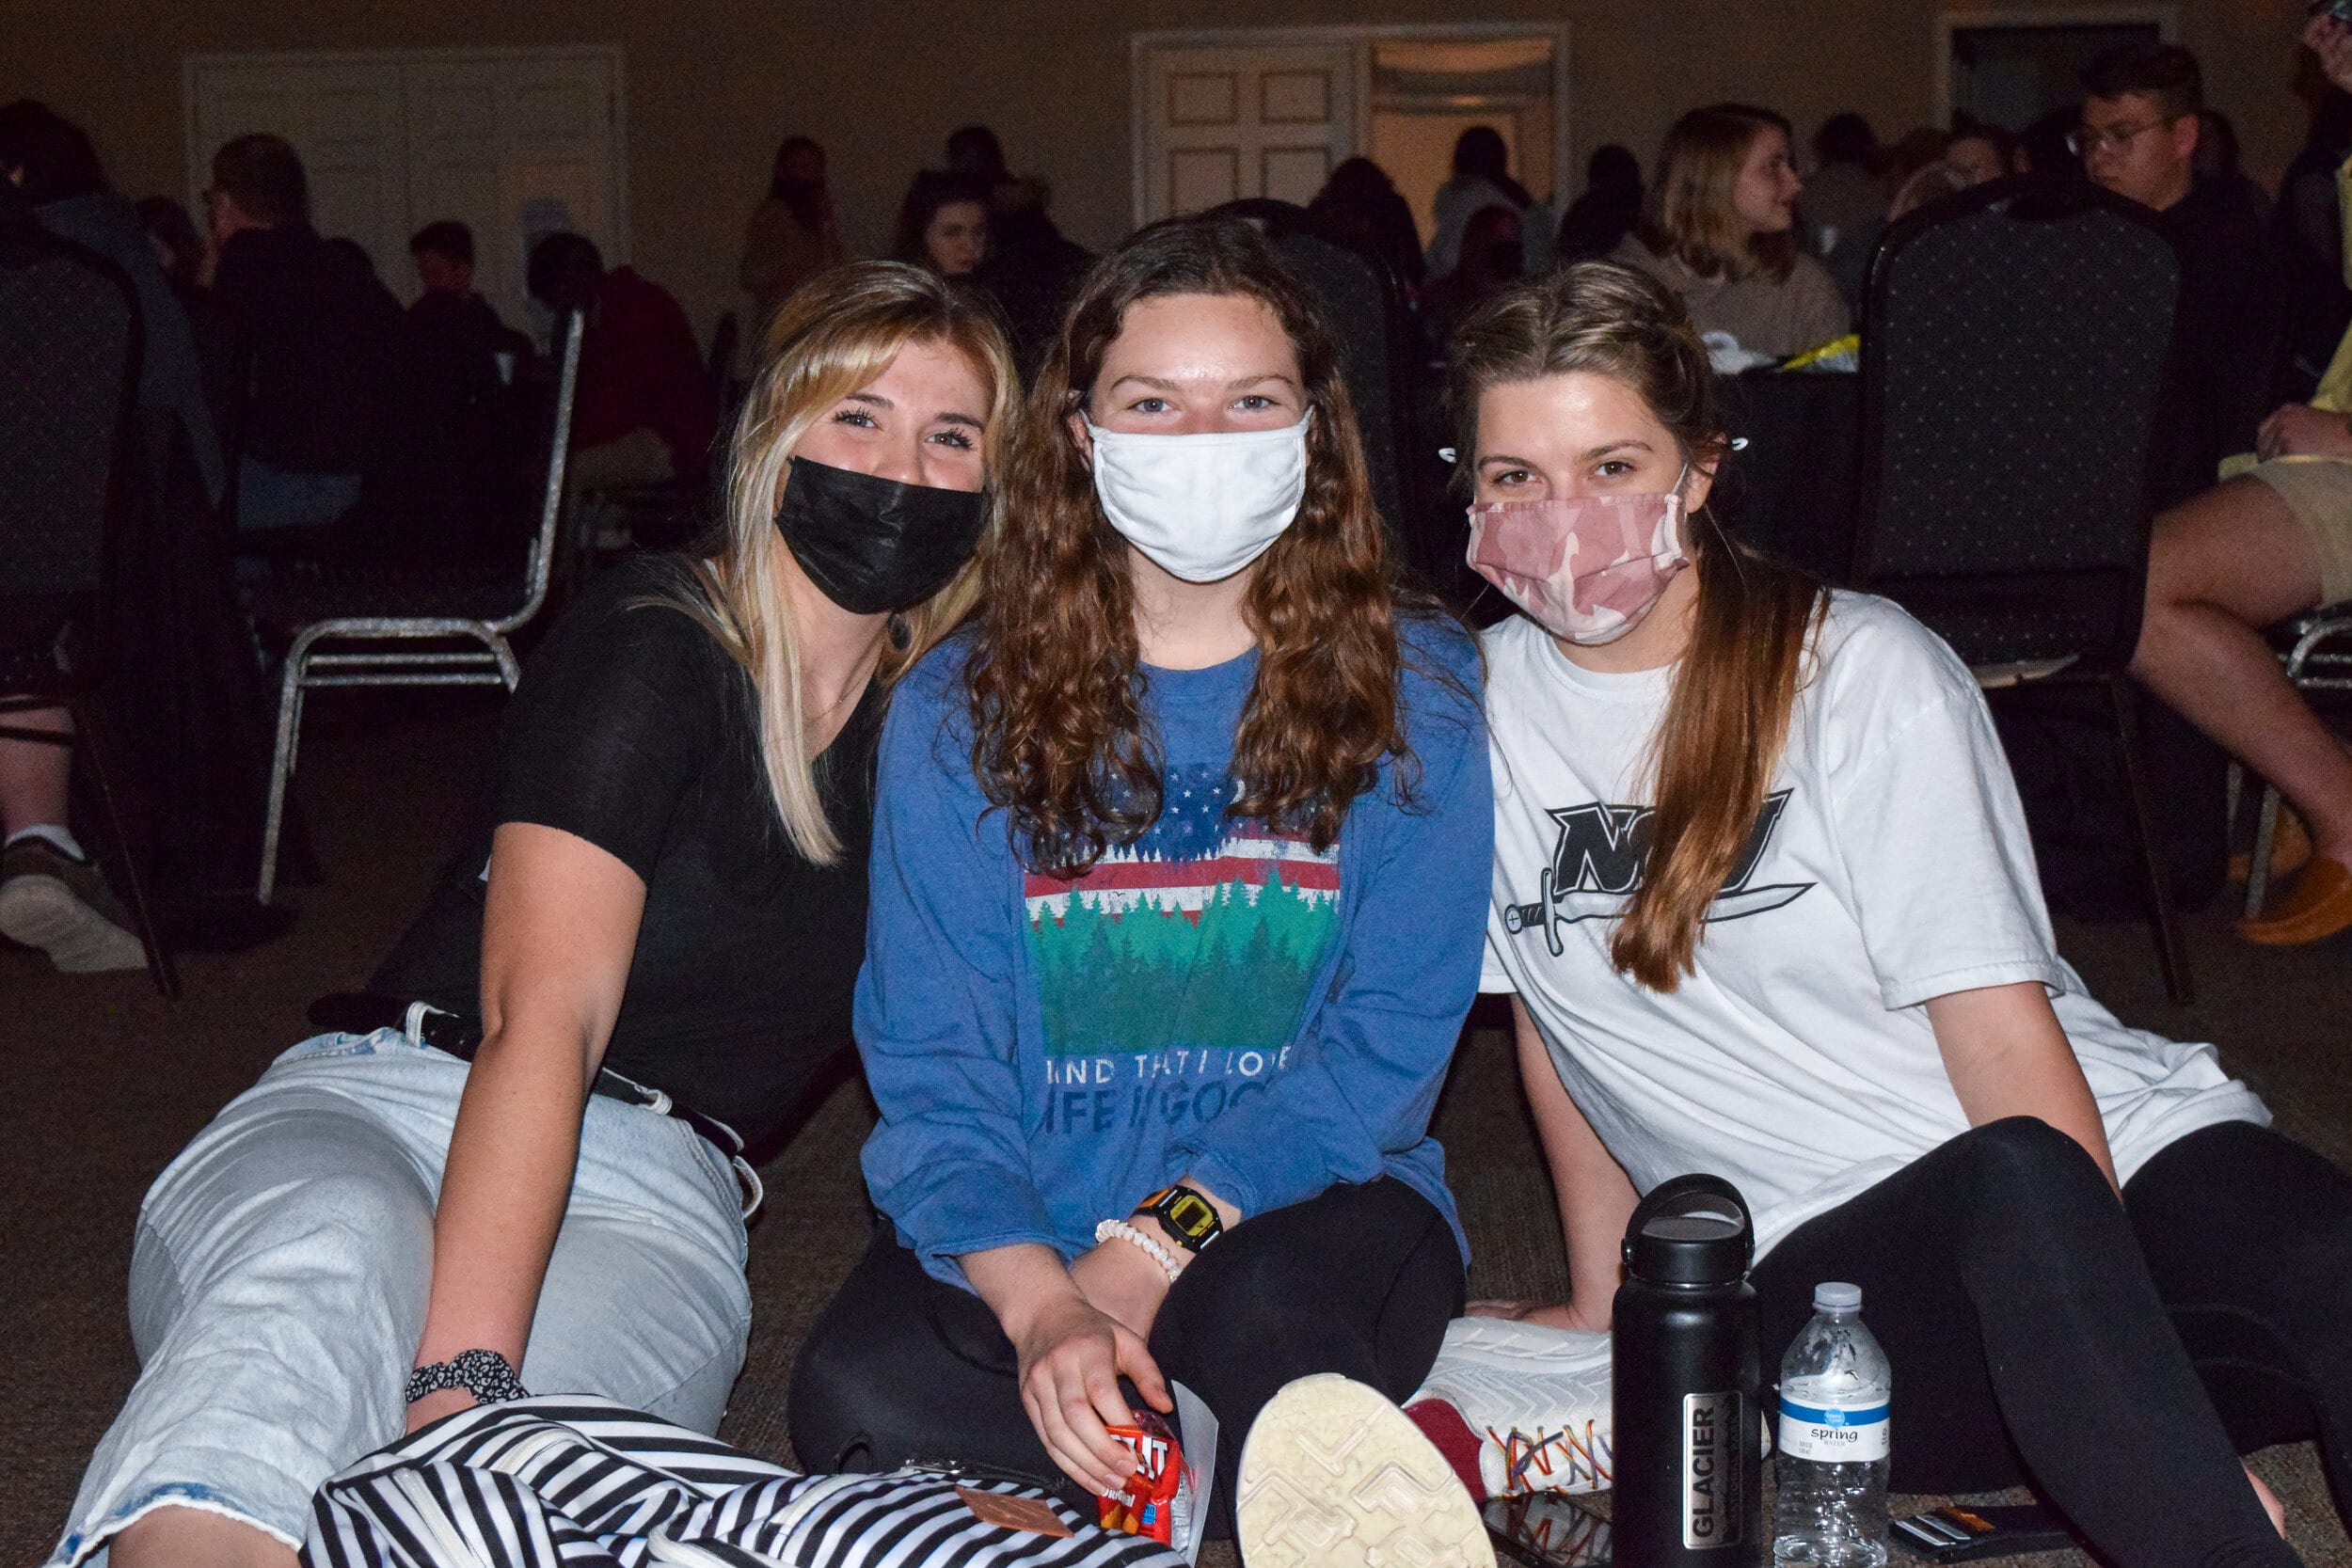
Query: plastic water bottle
1834, 1384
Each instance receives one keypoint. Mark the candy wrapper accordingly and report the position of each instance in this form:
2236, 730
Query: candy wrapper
1147, 1504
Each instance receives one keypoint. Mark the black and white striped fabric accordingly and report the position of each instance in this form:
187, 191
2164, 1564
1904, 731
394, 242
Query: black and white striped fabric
582, 1483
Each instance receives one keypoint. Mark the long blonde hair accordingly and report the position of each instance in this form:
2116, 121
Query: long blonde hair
1689, 216
833, 336
1736, 686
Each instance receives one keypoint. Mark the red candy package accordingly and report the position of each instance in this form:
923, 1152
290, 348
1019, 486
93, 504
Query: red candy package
1146, 1505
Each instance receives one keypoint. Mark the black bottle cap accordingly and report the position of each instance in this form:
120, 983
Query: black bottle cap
1692, 1230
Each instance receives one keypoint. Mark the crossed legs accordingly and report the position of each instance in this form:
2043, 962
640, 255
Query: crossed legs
2220, 567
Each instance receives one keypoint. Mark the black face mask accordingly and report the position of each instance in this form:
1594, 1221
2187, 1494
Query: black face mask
874, 544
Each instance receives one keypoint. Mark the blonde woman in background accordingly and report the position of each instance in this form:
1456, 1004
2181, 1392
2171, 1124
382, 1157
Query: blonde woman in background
482, 1175
1719, 232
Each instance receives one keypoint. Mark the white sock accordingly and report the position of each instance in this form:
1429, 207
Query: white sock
51, 832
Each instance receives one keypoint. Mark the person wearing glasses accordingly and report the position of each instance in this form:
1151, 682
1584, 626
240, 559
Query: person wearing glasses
2139, 138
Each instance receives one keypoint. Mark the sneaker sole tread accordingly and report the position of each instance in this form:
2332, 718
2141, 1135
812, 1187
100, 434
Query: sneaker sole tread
1334, 1475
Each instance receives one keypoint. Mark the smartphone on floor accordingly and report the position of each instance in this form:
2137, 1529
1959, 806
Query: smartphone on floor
1960, 1535
1547, 1530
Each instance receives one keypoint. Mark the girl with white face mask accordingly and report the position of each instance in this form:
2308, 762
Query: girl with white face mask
1175, 924
1764, 900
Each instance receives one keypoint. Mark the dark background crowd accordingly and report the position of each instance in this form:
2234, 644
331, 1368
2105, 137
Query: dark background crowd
301, 425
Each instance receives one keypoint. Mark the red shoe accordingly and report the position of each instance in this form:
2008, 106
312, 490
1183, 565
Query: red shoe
2314, 909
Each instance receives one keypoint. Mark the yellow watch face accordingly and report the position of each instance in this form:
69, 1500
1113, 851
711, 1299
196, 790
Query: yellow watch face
1190, 1215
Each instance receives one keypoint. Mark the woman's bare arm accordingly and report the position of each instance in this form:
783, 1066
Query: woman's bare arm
2007, 1056
558, 932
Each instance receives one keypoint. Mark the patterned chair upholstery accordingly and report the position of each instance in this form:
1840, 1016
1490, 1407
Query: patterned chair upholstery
2016, 349
70, 336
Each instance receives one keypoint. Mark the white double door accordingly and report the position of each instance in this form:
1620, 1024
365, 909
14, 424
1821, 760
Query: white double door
515, 144
1220, 124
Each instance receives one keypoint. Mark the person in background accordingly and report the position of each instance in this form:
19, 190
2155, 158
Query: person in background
2260, 547
1491, 257
2139, 138
483, 1176
178, 248
1718, 232
1482, 178
459, 330
463, 358
2045, 149
319, 333
1597, 222
2307, 226
1845, 202
1192, 807
2215, 163
1979, 154
973, 153
1032, 269
1361, 208
1765, 905
643, 411
52, 161
942, 224
792, 235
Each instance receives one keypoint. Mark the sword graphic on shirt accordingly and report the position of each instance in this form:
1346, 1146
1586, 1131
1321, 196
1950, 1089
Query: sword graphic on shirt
1602, 854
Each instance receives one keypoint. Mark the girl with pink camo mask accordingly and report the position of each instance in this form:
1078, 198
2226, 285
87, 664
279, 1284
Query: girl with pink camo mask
1764, 902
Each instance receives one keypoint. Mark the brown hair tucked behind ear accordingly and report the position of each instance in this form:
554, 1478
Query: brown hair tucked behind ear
1059, 739
1727, 717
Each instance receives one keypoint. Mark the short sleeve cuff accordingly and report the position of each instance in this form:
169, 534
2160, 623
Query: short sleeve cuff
1493, 979
1911, 991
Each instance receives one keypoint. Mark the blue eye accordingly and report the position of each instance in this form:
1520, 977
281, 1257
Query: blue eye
1149, 405
1255, 403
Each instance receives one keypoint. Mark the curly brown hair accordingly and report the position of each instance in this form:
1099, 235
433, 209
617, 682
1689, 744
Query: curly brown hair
1059, 739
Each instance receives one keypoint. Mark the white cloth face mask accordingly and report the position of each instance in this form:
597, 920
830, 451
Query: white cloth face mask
1202, 507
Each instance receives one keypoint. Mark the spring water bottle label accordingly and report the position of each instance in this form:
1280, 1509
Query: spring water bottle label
1840, 1431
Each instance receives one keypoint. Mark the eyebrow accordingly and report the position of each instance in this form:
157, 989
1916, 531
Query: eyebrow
1601, 450
1233, 386
875, 400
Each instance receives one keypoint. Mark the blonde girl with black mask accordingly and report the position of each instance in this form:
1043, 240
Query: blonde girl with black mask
1763, 895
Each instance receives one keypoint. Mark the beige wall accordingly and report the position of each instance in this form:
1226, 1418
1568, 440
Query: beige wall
714, 84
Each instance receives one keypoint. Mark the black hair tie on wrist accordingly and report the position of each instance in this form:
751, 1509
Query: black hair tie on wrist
485, 1375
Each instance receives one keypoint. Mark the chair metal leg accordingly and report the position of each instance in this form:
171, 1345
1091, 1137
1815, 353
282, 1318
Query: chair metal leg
281, 764
2155, 884
2258, 868
159, 968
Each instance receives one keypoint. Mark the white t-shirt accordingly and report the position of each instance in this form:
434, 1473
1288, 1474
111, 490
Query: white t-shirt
1890, 865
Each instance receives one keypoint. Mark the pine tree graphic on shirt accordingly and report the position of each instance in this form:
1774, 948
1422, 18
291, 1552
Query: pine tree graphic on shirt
1205, 933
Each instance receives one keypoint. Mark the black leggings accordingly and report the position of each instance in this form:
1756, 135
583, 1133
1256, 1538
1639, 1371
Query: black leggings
2119, 1358
1359, 1280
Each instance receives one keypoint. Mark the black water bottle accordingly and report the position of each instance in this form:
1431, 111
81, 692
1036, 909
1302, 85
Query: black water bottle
1684, 1377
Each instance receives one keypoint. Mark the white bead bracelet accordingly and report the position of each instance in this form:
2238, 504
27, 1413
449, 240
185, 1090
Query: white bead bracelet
1150, 1248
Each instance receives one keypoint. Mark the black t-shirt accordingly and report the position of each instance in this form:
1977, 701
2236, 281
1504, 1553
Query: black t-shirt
634, 730
322, 334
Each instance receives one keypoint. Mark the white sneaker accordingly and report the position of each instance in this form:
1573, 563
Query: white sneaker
1536, 1400
62, 906
1334, 1475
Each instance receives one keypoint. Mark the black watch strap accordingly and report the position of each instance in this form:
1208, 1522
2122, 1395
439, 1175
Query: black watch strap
1185, 1214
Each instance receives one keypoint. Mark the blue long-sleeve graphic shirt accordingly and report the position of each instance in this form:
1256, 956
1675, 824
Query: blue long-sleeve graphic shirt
1216, 999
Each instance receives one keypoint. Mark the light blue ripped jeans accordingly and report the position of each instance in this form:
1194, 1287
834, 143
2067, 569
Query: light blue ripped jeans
280, 1275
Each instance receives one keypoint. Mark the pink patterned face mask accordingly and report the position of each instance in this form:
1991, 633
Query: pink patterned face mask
1587, 568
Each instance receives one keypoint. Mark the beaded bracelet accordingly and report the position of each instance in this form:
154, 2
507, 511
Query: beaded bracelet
483, 1373
1150, 1248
